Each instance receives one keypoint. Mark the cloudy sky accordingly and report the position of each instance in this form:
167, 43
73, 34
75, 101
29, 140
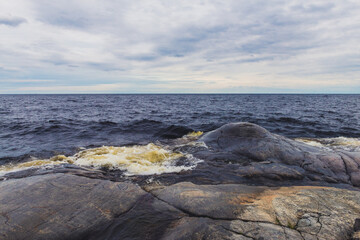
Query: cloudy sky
188, 46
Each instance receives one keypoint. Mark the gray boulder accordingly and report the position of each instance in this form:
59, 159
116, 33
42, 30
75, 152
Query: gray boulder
265, 154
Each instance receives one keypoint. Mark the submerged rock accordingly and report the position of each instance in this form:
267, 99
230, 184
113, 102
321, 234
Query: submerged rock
254, 147
173, 132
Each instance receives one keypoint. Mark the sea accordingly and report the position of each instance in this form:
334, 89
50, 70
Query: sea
41, 127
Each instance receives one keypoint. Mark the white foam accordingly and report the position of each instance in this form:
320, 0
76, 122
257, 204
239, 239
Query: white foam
133, 160
338, 143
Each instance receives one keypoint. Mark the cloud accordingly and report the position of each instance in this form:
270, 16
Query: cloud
191, 45
73, 89
12, 21
26, 80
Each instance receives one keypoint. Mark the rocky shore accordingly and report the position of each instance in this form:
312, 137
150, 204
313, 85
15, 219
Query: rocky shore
252, 184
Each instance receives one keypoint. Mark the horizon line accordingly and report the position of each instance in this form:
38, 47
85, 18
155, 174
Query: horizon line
179, 93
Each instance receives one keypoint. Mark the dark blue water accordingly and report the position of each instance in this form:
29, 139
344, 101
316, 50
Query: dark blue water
44, 125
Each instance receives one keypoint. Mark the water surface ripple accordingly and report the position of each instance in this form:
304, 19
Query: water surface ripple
46, 125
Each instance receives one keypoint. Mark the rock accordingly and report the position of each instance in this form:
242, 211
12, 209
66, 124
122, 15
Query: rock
61, 168
69, 202
327, 213
357, 225
309, 223
65, 206
173, 132
262, 230
275, 171
149, 218
60, 206
290, 159
356, 234
202, 228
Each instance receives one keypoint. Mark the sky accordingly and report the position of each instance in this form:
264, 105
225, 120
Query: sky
188, 46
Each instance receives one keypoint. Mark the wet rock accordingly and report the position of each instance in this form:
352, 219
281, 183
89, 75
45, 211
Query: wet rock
252, 143
173, 132
61, 168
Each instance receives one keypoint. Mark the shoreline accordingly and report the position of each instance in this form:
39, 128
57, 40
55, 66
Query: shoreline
252, 184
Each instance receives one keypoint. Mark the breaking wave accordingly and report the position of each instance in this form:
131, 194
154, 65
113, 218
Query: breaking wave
133, 160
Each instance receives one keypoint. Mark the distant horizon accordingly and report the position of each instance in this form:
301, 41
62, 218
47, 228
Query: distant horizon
179, 94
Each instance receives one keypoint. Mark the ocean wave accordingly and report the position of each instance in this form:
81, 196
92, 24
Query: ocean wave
147, 159
289, 120
136, 160
28, 126
145, 121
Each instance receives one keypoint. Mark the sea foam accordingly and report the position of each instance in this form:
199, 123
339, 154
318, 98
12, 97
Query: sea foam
133, 160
